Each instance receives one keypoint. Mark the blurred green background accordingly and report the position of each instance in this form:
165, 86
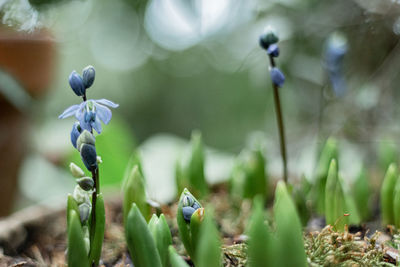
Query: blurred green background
178, 65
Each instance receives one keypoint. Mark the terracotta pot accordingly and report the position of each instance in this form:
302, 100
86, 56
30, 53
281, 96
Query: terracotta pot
29, 59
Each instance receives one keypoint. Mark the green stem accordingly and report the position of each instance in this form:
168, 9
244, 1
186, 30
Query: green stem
281, 128
95, 177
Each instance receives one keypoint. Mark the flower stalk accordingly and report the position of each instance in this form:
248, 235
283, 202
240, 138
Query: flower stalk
268, 41
89, 232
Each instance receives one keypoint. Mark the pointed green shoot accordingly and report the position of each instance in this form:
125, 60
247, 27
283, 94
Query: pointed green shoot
71, 205
162, 236
328, 153
256, 179
175, 259
141, 245
353, 217
184, 227
134, 191
195, 171
335, 203
260, 250
208, 249
181, 179
97, 241
396, 205
387, 194
289, 233
77, 254
361, 191
387, 154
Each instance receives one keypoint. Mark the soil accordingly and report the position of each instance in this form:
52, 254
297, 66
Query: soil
37, 237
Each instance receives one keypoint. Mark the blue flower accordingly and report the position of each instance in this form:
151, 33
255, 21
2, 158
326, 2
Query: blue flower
76, 82
335, 49
89, 113
277, 77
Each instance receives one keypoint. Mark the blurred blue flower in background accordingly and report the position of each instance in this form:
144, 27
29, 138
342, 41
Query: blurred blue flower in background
335, 49
277, 76
89, 113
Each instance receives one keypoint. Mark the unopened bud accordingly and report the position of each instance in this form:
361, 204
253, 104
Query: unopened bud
76, 83
187, 213
86, 183
80, 195
99, 160
88, 76
76, 171
84, 212
75, 132
89, 156
85, 138
187, 201
277, 77
268, 37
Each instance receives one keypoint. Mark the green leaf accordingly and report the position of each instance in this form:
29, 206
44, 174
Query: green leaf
183, 226
195, 170
162, 236
361, 191
141, 245
134, 191
181, 178
387, 194
71, 205
351, 209
97, 241
328, 153
208, 251
396, 205
175, 259
289, 234
387, 154
261, 250
77, 254
256, 179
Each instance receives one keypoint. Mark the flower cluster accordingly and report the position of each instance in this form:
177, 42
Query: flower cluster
189, 206
268, 41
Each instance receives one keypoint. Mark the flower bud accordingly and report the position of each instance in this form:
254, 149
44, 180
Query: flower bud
84, 212
268, 37
196, 206
76, 171
86, 183
88, 76
76, 83
89, 156
99, 160
80, 195
187, 201
75, 132
273, 50
85, 138
187, 213
277, 77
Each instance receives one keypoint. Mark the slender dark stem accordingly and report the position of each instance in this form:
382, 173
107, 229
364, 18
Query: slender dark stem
95, 177
281, 128
84, 97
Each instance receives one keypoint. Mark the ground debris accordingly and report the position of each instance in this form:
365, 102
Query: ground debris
330, 248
